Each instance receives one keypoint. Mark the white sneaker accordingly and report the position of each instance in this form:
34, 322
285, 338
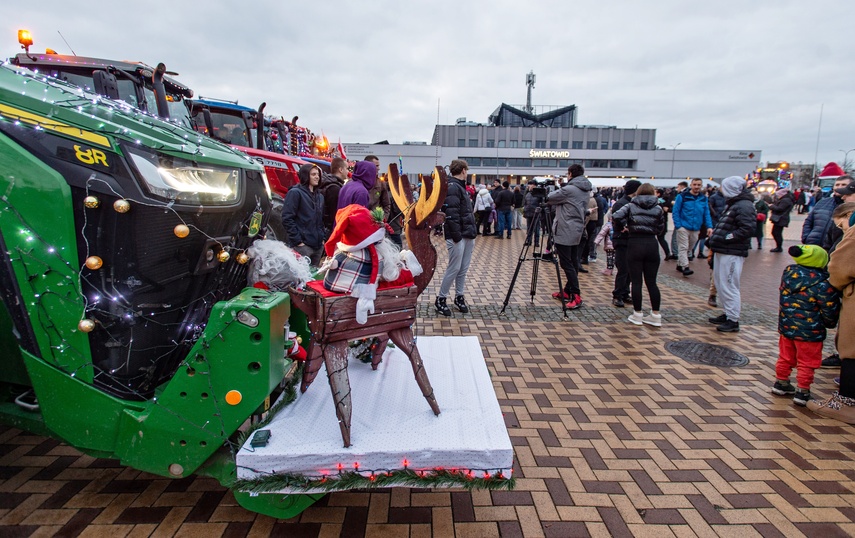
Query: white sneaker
653, 319
636, 318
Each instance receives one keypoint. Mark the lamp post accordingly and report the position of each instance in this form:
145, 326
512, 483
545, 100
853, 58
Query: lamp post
673, 156
846, 158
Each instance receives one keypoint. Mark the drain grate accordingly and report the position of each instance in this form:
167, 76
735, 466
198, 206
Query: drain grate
708, 354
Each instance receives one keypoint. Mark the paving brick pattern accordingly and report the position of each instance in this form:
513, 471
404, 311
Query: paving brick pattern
613, 435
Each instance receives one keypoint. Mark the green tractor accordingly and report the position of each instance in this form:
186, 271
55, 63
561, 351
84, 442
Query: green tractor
126, 326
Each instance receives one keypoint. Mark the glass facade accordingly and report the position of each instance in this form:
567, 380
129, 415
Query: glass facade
502, 162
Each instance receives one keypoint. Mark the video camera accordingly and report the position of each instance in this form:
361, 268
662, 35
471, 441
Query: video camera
543, 185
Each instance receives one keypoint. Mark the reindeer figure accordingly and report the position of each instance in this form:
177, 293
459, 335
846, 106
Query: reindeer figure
332, 316
421, 218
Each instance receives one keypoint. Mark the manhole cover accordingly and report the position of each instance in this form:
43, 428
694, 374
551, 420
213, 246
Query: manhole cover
709, 354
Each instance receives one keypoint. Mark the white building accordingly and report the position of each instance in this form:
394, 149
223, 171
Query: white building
517, 145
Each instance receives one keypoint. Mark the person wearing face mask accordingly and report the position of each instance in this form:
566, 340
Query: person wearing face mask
303, 215
815, 230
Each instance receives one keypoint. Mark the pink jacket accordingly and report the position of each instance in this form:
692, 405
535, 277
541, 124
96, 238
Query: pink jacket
605, 235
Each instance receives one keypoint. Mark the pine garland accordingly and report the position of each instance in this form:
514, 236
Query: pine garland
435, 478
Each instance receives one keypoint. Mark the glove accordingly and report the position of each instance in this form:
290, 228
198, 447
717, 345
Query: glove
364, 307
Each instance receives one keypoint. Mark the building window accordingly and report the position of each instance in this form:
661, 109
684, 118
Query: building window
525, 144
604, 145
565, 144
487, 161
461, 142
592, 145
513, 144
628, 145
491, 143
577, 145
596, 163
501, 143
643, 146
472, 161
553, 144
615, 145
625, 164
473, 142
540, 144
563, 163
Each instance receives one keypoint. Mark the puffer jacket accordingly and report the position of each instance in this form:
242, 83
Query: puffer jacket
809, 304
733, 233
459, 220
571, 207
483, 200
781, 210
819, 221
642, 216
619, 238
691, 212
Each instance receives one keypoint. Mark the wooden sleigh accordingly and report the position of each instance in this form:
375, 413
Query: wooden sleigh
332, 316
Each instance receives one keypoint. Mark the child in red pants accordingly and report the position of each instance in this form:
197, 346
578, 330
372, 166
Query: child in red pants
809, 305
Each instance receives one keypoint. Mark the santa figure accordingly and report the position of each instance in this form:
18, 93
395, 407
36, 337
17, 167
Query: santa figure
361, 255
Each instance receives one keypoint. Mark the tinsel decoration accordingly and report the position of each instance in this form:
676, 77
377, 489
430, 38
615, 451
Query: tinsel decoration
436, 478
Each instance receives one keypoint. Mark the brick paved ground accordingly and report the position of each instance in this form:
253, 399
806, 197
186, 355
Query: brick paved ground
613, 436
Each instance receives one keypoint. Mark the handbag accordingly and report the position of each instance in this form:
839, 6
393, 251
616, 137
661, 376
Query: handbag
761, 217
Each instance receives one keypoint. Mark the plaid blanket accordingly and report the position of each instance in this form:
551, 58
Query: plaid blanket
353, 268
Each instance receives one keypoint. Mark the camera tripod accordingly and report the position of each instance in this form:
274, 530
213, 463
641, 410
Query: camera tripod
540, 221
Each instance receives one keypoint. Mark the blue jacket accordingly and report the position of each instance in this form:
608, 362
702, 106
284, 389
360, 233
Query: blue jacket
691, 212
809, 304
818, 222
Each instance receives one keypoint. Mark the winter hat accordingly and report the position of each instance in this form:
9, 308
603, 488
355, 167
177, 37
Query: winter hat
732, 186
809, 255
631, 186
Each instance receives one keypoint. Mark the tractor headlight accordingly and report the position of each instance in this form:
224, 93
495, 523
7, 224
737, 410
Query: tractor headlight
183, 181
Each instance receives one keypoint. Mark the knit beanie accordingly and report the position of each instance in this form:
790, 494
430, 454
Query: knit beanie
631, 186
732, 186
809, 255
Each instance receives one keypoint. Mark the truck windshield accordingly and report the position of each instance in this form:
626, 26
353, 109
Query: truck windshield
127, 91
227, 128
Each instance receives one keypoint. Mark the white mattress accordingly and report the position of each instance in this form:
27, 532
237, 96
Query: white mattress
392, 422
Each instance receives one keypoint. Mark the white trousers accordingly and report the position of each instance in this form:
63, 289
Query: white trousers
685, 239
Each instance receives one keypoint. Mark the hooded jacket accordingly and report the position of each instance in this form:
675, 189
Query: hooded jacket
642, 216
691, 211
571, 205
303, 213
459, 219
808, 304
356, 190
732, 235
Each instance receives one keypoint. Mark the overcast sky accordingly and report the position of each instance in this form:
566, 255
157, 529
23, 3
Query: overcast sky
736, 75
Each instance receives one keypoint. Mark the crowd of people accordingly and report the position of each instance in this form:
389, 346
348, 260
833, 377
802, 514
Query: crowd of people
718, 224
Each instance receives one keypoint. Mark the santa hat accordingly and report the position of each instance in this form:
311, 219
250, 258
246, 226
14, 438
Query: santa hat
356, 228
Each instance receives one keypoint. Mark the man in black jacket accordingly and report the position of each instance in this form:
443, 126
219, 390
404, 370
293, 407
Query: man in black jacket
620, 294
729, 242
504, 200
460, 232
330, 185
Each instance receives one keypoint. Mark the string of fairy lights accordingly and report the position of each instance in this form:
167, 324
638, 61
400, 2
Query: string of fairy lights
36, 264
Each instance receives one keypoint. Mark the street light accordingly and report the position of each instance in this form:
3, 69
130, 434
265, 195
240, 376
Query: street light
673, 155
846, 157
